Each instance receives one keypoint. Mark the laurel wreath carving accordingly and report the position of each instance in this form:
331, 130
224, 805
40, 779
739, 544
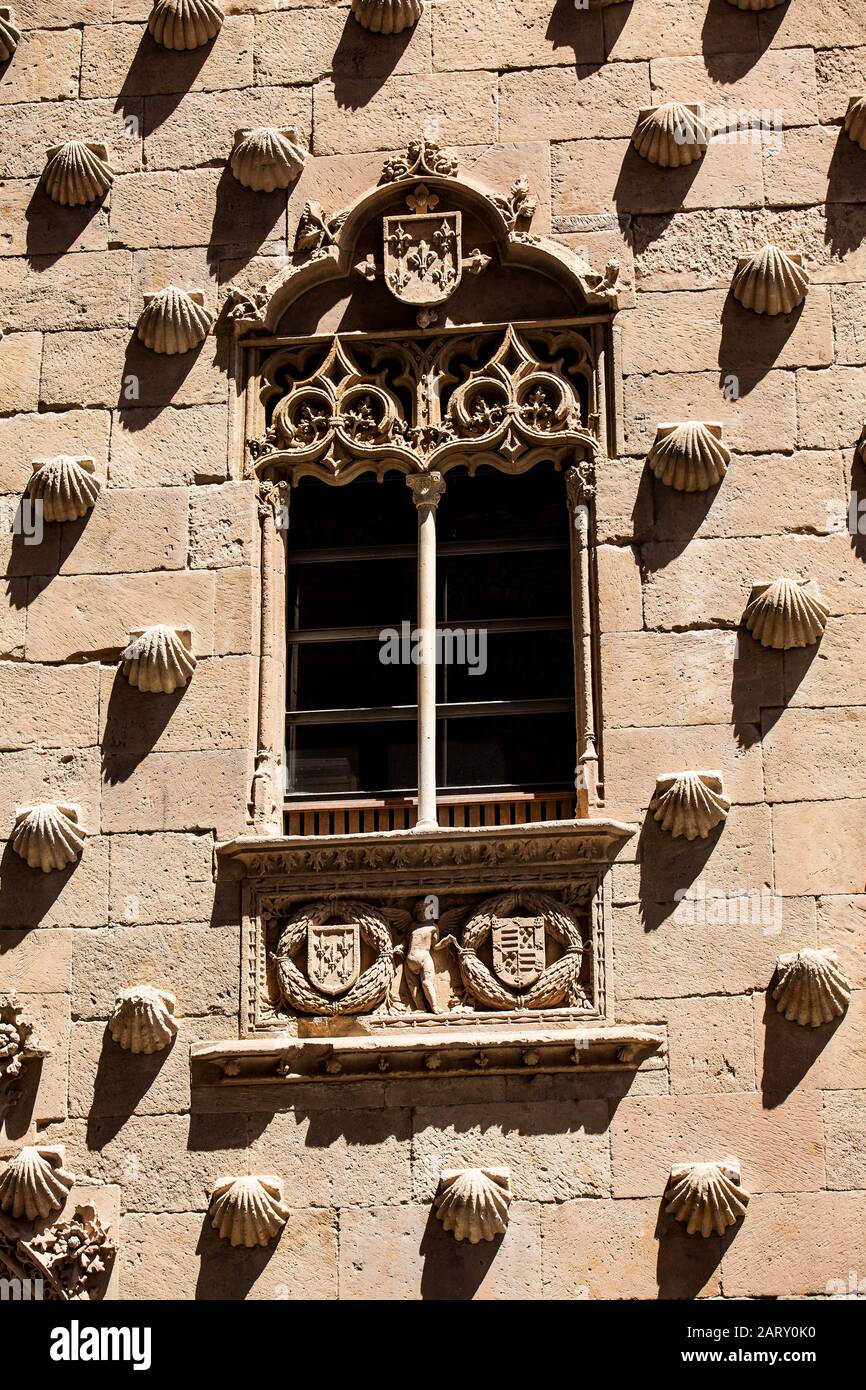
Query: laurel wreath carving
558, 983
372, 985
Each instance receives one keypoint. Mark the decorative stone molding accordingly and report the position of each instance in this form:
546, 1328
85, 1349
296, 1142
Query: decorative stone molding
689, 804
671, 135
387, 16
183, 24
48, 836
17, 1047
35, 1183
73, 1257
689, 456
266, 158
158, 660
142, 1019
707, 1197
855, 121
174, 321
248, 1210
472, 1203
812, 988
421, 157
787, 613
66, 487
76, 173
10, 37
770, 281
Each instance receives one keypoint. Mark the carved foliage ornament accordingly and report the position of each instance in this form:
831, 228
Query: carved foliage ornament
17, 1046
349, 414
74, 1255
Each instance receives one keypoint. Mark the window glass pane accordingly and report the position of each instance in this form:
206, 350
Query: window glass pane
348, 675
371, 758
501, 506
363, 512
519, 666
475, 587
352, 593
529, 751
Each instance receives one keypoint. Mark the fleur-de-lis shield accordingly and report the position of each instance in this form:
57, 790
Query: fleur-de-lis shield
518, 950
423, 256
334, 956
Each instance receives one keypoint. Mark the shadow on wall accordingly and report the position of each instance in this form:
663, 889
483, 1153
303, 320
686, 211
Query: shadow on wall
668, 866
364, 55
790, 1050
747, 37
751, 344
163, 75
133, 726
27, 895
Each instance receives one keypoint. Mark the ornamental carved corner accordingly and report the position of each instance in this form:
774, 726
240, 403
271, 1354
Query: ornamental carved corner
422, 157
317, 231
72, 1260
19, 1046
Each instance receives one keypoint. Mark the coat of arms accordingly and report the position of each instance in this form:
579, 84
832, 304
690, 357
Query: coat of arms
518, 950
423, 256
334, 956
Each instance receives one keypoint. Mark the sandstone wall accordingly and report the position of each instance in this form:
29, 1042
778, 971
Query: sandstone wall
511, 86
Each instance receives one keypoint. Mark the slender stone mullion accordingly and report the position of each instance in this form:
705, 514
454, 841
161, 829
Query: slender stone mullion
427, 489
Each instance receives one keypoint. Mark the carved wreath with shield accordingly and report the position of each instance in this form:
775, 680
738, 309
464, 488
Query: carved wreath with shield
334, 982
519, 927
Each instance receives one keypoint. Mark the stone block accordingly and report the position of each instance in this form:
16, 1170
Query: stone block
204, 791
331, 1159
820, 846
197, 964
363, 114
169, 447
77, 615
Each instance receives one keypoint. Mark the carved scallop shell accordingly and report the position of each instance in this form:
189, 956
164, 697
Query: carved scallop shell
158, 659
473, 1202
10, 37
787, 613
35, 1183
142, 1019
48, 836
689, 456
689, 804
266, 158
248, 1210
811, 988
182, 24
770, 281
708, 1197
77, 173
855, 121
65, 486
671, 135
387, 16
174, 321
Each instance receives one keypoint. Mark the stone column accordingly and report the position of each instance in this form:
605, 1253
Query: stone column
266, 799
427, 489
580, 490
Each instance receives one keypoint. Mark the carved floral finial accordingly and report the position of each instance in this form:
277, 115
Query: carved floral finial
689, 456
248, 1210
267, 158
174, 321
387, 16
770, 281
10, 36
142, 1019
17, 1047
787, 613
184, 24
48, 836
671, 135
421, 157
158, 660
708, 1197
66, 487
35, 1183
811, 987
689, 804
76, 173
473, 1202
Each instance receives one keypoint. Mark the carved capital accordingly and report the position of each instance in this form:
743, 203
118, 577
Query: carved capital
580, 483
427, 489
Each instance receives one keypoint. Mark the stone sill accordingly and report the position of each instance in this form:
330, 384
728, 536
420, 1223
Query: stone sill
454, 1051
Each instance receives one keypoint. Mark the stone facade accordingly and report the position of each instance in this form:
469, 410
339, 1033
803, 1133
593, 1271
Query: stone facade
709, 1137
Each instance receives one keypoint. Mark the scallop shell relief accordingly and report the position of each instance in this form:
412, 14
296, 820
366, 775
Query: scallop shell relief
671, 135
265, 159
248, 1210
855, 121
184, 24
770, 281
10, 37
65, 486
47, 836
142, 1020
35, 1184
158, 660
473, 1203
787, 613
706, 1197
690, 456
811, 987
387, 16
77, 173
689, 804
174, 321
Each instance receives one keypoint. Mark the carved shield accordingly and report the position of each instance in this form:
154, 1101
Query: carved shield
518, 950
423, 260
334, 956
